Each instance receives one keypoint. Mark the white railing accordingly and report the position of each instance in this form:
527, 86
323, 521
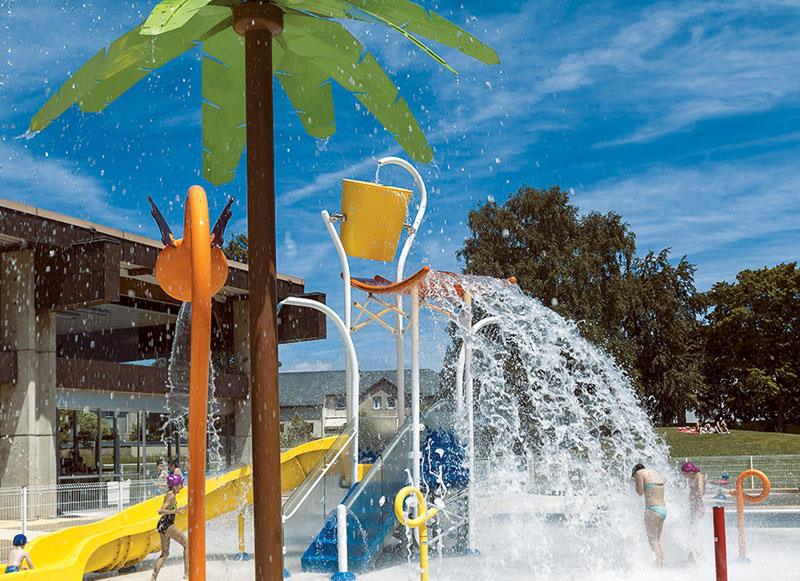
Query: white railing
35, 510
783, 471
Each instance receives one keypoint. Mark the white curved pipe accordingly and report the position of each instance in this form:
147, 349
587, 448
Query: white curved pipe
348, 303
337, 242
401, 263
352, 387
423, 202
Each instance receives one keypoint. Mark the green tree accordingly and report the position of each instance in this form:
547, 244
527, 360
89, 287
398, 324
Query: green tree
298, 431
237, 248
752, 349
641, 310
578, 265
663, 327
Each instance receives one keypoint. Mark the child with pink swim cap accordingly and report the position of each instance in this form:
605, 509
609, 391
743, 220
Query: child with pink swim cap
697, 488
166, 525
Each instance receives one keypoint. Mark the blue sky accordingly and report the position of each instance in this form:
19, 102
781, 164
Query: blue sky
683, 117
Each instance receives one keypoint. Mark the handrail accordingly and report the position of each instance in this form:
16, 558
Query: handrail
303, 491
375, 469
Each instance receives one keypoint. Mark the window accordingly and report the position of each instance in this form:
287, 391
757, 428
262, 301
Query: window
377, 402
391, 403
341, 403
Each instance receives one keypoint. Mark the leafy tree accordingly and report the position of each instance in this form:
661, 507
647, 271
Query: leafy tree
752, 349
298, 431
641, 310
577, 265
663, 328
237, 248
87, 427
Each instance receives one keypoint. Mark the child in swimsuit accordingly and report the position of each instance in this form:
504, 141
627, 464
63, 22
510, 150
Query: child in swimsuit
650, 485
18, 554
166, 525
697, 489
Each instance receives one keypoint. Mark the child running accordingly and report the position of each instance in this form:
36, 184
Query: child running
18, 554
166, 525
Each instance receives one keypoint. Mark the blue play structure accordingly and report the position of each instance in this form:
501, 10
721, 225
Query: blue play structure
370, 510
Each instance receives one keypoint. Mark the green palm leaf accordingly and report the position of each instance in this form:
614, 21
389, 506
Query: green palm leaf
356, 12
170, 15
128, 59
329, 47
308, 90
345, 9
224, 113
402, 15
418, 20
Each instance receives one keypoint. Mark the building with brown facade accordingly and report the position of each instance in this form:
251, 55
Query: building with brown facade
83, 328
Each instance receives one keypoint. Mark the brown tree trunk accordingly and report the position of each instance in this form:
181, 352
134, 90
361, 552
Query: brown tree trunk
258, 22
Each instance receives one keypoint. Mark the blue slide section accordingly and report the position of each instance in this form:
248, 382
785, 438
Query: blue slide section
370, 516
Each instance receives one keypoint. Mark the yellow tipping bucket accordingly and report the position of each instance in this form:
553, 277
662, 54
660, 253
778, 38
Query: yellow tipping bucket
373, 219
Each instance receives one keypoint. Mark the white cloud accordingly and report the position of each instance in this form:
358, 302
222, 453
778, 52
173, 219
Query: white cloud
54, 184
725, 216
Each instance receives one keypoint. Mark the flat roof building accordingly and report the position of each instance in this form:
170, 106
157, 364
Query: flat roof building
82, 319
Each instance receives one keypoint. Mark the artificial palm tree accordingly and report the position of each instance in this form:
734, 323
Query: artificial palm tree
309, 50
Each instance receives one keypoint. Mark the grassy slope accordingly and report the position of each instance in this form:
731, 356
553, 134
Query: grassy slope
738, 442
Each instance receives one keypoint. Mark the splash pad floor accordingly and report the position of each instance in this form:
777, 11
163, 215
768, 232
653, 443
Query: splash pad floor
773, 553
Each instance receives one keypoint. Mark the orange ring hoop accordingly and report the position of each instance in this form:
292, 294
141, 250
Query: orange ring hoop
740, 486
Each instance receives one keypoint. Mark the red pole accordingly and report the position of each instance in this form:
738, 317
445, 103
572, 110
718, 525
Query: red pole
720, 555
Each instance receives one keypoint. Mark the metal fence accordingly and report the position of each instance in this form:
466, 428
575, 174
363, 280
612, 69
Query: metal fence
34, 510
783, 471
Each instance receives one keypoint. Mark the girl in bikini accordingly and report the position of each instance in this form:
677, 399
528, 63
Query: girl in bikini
166, 525
650, 484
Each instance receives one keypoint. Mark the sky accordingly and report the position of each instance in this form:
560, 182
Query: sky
683, 117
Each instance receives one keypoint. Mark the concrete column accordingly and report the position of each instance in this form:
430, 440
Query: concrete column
242, 429
27, 407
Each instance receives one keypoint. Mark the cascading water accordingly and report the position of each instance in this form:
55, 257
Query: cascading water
557, 430
178, 390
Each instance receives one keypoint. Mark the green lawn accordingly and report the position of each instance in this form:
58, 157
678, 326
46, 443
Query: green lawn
738, 442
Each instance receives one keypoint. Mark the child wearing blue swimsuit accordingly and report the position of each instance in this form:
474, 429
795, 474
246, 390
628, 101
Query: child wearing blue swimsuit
660, 510
647, 480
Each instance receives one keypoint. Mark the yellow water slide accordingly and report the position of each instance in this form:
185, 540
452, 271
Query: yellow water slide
130, 535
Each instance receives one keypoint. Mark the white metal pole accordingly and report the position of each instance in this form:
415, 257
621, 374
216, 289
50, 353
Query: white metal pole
350, 350
415, 453
470, 405
341, 544
459, 396
144, 445
24, 510
401, 263
401, 389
